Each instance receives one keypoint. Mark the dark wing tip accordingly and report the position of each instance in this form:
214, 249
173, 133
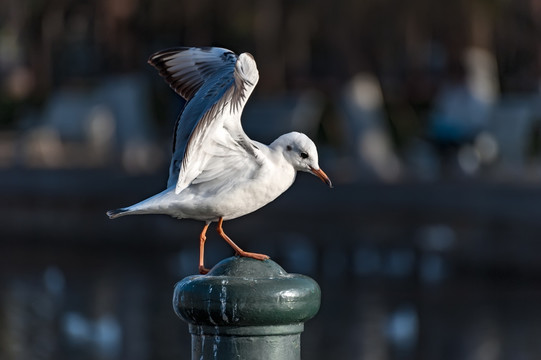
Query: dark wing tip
115, 213
157, 57
186, 74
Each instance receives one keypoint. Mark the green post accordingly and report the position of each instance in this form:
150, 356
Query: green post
246, 309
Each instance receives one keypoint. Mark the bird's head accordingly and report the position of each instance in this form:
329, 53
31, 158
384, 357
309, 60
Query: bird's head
301, 153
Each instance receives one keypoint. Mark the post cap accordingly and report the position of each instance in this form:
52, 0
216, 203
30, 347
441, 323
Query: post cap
241, 291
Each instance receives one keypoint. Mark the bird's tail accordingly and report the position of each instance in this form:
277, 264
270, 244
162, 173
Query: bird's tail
152, 205
113, 214
131, 210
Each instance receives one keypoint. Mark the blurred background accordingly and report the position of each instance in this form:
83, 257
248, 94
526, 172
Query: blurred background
427, 115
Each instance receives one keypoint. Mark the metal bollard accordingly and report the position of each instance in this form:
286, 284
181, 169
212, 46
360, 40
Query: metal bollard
246, 309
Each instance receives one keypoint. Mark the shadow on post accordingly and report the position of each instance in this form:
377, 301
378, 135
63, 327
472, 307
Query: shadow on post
246, 309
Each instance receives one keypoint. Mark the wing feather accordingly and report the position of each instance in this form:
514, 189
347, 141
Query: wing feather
177, 65
216, 84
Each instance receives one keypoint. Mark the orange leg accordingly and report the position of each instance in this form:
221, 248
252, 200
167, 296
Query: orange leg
202, 239
237, 249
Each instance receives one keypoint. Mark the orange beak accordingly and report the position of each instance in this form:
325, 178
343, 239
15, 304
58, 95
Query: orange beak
321, 174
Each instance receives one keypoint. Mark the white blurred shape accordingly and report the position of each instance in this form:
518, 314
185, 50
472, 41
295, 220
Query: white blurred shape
100, 126
375, 148
482, 74
43, 145
468, 159
104, 334
365, 92
487, 147
403, 327
366, 128
108, 336
77, 328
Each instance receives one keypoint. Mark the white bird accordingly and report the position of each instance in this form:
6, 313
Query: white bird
217, 172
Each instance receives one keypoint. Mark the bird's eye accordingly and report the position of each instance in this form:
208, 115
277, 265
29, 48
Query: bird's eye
304, 155
288, 148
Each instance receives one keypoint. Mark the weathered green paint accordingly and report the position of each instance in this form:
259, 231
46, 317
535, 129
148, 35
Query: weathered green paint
246, 309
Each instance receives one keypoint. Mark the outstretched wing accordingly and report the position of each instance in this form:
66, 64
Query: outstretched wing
216, 84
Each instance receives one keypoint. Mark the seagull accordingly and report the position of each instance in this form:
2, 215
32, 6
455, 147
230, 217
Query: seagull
217, 172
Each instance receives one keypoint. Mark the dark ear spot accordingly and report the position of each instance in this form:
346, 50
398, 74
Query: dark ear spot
288, 148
